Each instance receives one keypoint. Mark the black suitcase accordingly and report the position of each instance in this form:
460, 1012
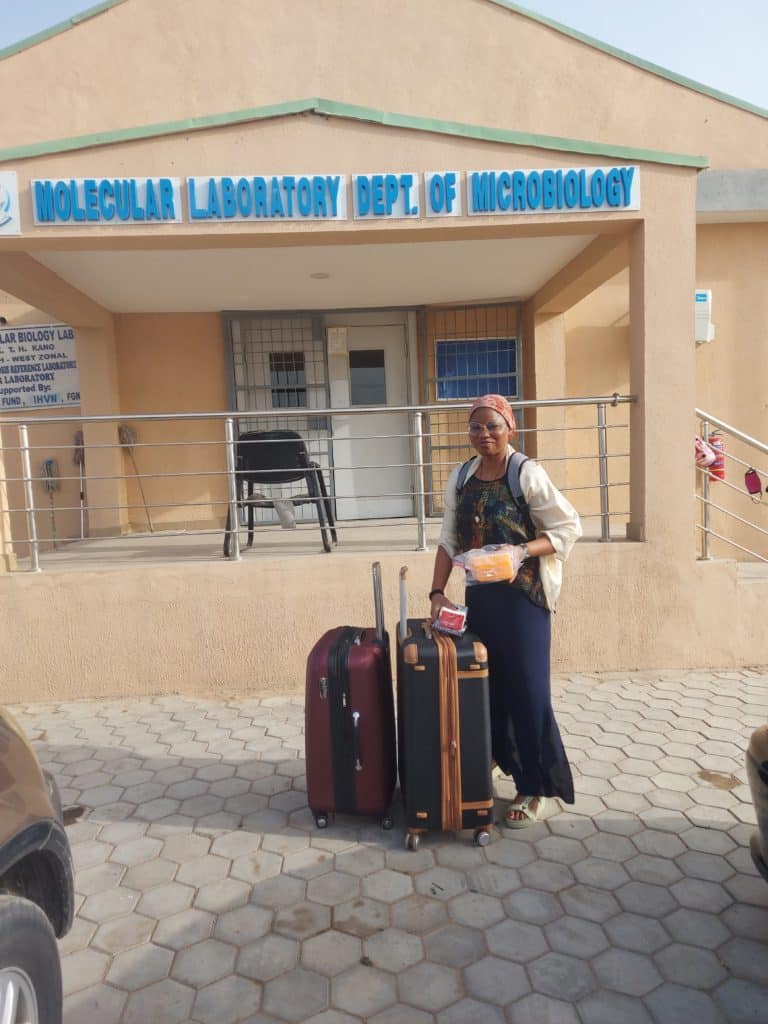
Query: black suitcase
350, 721
444, 731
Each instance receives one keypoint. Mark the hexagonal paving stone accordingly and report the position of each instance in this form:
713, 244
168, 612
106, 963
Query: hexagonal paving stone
166, 1002
184, 929
430, 986
280, 891
561, 849
656, 870
576, 936
442, 883
297, 995
540, 1009
227, 1001
203, 963
149, 874
532, 906
397, 1014
509, 854
476, 910
331, 952
165, 900
203, 870
82, 969
455, 946
641, 898
741, 1000
219, 897
746, 959
606, 1007
583, 901
361, 917
514, 940
636, 933
333, 888
244, 925
235, 844
630, 973
677, 1003
184, 847
124, 932
700, 895
302, 920
394, 950
387, 885
419, 914
600, 874
470, 1011
561, 976
105, 905
308, 863
139, 967
268, 958
408, 862
359, 861
696, 928
98, 878
134, 851
496, 981
100, 1003
688, 965
550, 877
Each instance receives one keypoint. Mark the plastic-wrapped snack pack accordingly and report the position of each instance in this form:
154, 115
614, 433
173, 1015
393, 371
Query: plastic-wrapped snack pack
452, 620
494, 563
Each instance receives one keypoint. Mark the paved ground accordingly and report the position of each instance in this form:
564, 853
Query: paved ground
206, 894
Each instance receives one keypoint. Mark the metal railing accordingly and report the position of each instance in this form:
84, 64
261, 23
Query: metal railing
735, 496
426, 477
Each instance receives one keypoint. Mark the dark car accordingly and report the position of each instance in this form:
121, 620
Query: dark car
757, 773
36, 883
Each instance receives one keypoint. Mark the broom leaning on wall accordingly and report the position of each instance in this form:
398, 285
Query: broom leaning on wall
49, 473
128, 440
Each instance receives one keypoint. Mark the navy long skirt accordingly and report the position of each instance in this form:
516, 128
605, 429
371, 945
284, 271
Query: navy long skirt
525, 737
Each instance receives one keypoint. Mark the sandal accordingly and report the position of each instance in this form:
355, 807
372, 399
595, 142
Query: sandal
523, 806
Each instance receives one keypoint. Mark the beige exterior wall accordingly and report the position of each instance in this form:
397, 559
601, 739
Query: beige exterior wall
174, 363
530, 77
221, 628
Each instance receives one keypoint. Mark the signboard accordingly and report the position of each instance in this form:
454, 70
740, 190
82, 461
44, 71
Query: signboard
83, 202
38, 367
10, 224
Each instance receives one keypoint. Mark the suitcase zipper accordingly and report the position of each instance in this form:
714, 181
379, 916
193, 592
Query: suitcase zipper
341, 722
356, 741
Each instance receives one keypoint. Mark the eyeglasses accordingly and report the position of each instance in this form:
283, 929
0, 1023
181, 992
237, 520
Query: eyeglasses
493, 428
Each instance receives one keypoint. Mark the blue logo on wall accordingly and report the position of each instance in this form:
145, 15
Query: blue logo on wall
6, 214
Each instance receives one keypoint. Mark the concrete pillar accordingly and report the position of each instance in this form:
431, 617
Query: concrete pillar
549, 356
99, 396
662, 363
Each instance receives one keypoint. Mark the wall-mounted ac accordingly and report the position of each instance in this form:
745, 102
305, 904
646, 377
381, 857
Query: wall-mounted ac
705, 329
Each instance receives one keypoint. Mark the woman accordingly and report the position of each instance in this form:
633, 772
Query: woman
512, 619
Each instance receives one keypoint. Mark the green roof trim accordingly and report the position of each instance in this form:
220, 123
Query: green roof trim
349, 112
54, 30
630, 58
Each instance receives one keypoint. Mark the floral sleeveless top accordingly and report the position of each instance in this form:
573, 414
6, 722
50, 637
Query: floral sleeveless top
486, 513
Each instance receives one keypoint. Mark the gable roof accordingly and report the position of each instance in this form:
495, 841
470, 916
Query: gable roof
582, 37
346, 111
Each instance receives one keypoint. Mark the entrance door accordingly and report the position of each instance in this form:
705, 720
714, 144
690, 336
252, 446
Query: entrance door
371, 452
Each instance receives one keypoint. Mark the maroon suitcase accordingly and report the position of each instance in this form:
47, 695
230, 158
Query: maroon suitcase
350, 721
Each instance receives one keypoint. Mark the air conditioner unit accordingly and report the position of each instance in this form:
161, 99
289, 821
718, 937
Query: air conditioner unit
705, 329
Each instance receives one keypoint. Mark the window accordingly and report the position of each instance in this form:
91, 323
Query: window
466, 368
367, 381
288, 380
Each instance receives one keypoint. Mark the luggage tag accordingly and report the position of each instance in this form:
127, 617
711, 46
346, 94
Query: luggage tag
754, 484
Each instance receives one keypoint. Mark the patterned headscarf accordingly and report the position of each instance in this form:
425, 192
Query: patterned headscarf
499, 404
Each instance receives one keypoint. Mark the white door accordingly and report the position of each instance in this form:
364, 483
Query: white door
372, 452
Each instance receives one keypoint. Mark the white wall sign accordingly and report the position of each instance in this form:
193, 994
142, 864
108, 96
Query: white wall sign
38, 367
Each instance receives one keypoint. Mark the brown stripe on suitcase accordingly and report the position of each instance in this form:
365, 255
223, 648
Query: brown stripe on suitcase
450, 738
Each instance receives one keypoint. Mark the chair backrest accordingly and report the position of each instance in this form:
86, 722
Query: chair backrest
272, 456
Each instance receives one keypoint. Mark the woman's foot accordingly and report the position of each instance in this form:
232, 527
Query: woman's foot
524, 811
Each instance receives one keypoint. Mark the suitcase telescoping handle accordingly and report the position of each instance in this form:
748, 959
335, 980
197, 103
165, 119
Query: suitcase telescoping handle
378, 601
403, 604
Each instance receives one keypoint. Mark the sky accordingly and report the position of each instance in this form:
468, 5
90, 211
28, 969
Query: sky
719, 44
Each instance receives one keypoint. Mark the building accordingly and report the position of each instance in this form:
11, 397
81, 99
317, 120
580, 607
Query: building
340, 203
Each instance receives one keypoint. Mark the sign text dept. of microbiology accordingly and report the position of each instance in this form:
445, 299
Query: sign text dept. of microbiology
82, 202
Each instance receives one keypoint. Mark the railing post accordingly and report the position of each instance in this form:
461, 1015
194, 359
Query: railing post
602, 442
29, 499
705, 552
418, 439
232, 518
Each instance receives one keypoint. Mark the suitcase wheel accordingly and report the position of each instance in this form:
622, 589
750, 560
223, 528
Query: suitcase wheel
411, 841
321, 820
386, 822
482, 837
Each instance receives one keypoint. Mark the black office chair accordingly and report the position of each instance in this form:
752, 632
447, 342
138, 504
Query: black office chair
279, 457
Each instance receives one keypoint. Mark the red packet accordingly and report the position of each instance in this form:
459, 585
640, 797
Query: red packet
452, 620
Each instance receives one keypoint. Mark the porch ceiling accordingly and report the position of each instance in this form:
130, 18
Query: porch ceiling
394, 274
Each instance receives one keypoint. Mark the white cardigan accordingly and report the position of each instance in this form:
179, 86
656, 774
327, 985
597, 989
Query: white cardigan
551, 513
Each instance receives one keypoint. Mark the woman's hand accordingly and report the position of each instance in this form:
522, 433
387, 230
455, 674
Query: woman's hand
438, 601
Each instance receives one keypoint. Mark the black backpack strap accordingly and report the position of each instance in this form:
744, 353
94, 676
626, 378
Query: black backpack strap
461, 479
514, 465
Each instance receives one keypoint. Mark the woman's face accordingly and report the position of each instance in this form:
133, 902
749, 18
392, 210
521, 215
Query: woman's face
488, 432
